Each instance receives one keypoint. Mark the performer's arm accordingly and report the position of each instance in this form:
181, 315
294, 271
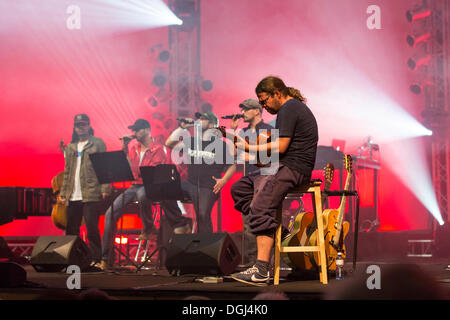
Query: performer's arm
172, 140
278, 146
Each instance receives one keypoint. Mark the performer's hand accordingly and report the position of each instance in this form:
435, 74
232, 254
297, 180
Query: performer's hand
185, 125
234, 123
219, 185
61, 199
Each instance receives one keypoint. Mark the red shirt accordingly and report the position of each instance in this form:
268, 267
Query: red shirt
154, 155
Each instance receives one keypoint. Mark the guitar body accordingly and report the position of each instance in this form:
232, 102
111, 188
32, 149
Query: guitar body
298, 238
304, 228
331, 216
59, 216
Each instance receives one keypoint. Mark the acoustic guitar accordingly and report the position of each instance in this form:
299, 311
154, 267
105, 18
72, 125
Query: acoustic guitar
59, 216
262, 138
335, 228
304, 225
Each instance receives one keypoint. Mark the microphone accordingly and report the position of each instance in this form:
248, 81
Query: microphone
238, 116
185, 121
127, 138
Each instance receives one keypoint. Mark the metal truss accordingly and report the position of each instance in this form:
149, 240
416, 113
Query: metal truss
184, 69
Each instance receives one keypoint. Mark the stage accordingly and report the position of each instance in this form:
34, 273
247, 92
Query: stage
152, 284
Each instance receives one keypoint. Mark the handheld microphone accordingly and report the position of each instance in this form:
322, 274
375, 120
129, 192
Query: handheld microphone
127, 138
185, 121
238, 116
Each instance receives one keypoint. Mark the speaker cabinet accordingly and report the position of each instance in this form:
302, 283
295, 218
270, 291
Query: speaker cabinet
55, 253
12, 275
202, 253
5, 251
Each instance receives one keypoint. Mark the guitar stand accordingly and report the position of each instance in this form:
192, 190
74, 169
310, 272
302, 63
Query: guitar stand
350, 193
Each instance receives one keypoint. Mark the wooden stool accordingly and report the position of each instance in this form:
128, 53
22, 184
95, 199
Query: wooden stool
314, 188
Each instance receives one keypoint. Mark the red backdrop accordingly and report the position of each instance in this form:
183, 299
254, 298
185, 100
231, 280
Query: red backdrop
324, 48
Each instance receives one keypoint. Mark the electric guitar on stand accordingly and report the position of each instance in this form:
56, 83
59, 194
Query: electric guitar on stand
335, 228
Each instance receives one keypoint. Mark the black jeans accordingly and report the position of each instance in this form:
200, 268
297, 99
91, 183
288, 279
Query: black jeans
76, 210
203, 205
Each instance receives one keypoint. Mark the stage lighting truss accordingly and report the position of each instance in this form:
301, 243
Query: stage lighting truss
184, 66
430, 42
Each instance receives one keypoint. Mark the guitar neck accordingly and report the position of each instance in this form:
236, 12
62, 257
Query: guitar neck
342, 208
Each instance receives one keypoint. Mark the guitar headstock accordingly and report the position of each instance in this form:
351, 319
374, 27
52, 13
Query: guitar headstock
62, 146
329, 175
348, 163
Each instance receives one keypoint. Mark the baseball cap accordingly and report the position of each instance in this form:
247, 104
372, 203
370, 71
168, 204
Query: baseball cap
139, 124
250, 104
81, 118
208, 115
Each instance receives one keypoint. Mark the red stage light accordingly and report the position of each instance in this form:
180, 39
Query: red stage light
123, 241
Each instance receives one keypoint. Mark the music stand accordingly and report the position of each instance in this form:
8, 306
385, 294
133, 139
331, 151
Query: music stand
111, 167
161, 182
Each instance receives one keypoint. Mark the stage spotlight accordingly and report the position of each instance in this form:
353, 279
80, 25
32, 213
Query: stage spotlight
414, 40
159, 80
417, 14
164, 56
415, 88
414, 63
207, 85
161, 96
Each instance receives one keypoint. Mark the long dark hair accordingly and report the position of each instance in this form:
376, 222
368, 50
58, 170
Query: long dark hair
271, 83
75, 137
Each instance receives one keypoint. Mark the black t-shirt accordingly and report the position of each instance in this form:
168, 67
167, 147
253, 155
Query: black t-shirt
210, 160
295, 120
261, 126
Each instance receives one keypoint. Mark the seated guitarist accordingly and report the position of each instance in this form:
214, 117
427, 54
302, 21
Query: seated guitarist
252, 114
296, 147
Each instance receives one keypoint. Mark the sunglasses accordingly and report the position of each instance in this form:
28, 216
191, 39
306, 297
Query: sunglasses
264, 101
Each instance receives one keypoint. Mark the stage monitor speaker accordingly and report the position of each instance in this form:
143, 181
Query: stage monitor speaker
8, 205
11, 274
5, 251
55, 253
202, 253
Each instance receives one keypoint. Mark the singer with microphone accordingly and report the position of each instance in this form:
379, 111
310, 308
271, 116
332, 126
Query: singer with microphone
145, 152
251, 112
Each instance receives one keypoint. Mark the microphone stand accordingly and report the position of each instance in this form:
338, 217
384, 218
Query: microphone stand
198, 144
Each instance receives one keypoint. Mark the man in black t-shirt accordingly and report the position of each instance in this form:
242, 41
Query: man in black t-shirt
207, 157
296, 146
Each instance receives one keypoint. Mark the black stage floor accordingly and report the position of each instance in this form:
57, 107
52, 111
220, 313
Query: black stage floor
154, 284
